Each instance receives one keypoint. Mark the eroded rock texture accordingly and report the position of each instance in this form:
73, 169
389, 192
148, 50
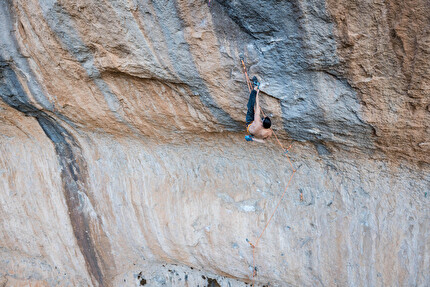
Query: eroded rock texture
122, 159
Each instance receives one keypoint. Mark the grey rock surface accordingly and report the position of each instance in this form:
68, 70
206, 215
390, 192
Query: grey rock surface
122, 159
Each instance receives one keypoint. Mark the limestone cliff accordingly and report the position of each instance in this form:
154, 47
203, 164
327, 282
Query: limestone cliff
123, 163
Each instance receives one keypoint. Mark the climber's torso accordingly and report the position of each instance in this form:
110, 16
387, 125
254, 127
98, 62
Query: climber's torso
258, 131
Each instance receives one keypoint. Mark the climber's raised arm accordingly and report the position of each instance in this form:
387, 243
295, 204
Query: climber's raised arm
258, 128
257, 106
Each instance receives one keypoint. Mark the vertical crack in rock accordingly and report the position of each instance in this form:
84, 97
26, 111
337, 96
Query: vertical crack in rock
73, 167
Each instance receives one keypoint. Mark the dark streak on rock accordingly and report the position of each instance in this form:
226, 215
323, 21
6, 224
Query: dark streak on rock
71, 160
73, 170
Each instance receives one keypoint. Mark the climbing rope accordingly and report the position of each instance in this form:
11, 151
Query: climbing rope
285, 152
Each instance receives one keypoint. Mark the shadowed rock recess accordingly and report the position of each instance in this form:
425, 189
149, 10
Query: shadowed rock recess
122, 152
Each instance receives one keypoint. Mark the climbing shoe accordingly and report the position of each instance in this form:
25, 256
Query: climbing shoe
255, 82
249, 138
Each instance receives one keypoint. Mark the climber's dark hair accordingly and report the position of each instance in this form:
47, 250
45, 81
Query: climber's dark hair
267, 123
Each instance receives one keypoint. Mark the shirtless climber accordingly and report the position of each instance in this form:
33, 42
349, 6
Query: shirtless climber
257, 127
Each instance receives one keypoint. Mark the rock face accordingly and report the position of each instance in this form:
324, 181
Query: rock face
122, 159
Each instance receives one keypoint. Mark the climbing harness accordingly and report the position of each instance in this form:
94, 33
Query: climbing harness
247, 127
285, 152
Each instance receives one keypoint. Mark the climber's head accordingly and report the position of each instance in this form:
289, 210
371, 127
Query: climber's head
267, 123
